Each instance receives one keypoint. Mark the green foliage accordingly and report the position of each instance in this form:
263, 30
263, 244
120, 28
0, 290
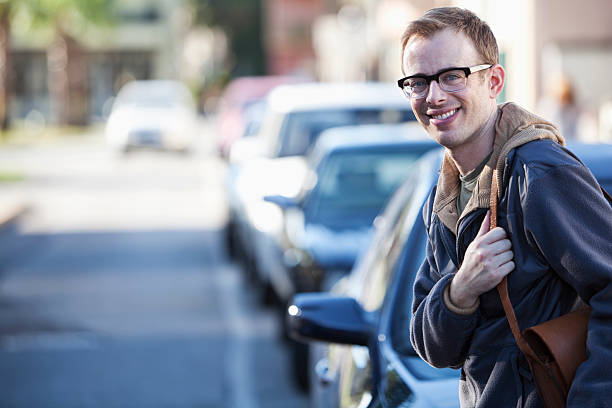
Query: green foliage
7, 176
241, 20
62, 13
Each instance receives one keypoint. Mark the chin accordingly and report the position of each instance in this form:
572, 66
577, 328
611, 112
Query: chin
446, 139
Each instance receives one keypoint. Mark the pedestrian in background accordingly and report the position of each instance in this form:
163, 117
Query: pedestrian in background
560, 107
554, 234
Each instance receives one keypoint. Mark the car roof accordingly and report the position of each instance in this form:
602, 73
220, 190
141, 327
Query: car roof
596, 156
368, 137
320, 95
154, 88
246, 88
154, 83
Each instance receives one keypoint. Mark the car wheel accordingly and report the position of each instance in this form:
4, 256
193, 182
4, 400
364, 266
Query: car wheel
230, 241
268, 294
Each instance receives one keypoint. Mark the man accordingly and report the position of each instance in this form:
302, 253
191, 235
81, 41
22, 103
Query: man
554, 240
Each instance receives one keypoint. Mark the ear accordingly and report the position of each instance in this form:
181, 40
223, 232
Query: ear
496, 80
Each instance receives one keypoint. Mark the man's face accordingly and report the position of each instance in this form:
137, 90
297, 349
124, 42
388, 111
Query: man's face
452, 119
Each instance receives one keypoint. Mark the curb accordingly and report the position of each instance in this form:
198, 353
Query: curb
11, 213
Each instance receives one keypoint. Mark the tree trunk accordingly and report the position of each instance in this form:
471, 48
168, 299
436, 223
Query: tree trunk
4, 66
68, 81
57, 61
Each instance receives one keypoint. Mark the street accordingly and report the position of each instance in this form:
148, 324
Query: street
116, 290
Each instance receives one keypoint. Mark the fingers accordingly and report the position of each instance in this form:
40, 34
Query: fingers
505, 269
499, 246
486, 224
495, 235
503, 258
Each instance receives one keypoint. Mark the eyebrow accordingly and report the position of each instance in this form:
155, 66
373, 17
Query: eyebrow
420, 74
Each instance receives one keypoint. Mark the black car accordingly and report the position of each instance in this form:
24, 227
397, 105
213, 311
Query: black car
372, 363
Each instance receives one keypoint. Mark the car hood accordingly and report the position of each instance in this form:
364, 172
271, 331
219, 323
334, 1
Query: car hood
335, 249
262, 176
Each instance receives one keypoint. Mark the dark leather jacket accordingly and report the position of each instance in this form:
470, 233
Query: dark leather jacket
560, 226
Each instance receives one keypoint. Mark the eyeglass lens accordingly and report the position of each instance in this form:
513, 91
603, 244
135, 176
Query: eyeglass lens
449, 81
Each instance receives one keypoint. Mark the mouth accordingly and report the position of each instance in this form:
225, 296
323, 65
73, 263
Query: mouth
445, 115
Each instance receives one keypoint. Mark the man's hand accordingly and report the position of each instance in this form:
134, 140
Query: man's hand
487, 260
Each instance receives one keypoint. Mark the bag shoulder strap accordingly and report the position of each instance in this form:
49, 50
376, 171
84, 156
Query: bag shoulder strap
502, 287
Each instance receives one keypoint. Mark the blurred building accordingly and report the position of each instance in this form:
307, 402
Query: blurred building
538, 39
542, 40
147, 40
331, 40
288, 40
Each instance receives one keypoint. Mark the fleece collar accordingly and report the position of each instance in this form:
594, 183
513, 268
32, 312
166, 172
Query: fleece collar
514, 127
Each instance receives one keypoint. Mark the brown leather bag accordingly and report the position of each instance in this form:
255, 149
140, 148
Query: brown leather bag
553, 349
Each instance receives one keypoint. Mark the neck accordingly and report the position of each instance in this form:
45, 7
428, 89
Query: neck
468, 157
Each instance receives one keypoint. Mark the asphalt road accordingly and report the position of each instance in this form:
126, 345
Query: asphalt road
116, 291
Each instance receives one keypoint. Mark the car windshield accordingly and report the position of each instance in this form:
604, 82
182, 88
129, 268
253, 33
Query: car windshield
301, 129
153, 95
353, 186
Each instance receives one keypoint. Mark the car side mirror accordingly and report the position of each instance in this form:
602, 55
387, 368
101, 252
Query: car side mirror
282, 201
329, 318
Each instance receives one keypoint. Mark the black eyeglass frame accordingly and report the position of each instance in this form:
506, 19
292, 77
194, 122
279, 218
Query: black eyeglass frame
436, 76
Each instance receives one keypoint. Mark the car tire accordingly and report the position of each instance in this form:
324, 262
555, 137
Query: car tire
231, 244
268, 294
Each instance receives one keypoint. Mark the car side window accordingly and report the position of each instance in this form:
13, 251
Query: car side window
376, 282
300, 130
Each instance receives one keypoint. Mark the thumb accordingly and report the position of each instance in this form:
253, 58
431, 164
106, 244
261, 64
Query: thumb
486, 224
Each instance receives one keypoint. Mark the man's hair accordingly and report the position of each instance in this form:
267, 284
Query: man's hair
460, 20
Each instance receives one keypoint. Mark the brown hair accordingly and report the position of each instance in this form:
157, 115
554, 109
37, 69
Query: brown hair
461, 20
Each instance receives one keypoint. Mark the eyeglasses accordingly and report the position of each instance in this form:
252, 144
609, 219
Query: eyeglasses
450, 80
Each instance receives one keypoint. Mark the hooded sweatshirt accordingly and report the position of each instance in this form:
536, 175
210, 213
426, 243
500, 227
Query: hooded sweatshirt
560, 227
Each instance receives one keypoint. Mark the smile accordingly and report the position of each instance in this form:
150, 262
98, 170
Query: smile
445, 115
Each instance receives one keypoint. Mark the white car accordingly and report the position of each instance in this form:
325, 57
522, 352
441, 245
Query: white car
153, 114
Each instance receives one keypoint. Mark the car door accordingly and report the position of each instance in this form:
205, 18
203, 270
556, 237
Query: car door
357, 382
388, 373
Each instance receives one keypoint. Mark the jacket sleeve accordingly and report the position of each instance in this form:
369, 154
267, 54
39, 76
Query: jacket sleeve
440, 336
570, 222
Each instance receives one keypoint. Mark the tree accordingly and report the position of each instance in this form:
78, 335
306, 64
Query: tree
241, 21
66, 67
5, 11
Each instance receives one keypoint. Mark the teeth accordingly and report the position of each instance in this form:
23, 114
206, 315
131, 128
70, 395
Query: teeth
445, 115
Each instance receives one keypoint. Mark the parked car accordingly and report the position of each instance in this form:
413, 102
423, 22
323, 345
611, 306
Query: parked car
239, 95
295, 117
371, 362
353, 172
153, 114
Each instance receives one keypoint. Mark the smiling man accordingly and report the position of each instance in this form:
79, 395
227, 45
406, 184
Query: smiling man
554, 239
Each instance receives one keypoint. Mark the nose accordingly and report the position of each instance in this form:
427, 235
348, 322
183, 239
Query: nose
435, 94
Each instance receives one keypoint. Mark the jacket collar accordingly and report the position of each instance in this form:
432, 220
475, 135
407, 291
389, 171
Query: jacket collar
514, 127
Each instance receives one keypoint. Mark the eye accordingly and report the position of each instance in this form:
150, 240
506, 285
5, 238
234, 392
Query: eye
452, 76
416, 83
